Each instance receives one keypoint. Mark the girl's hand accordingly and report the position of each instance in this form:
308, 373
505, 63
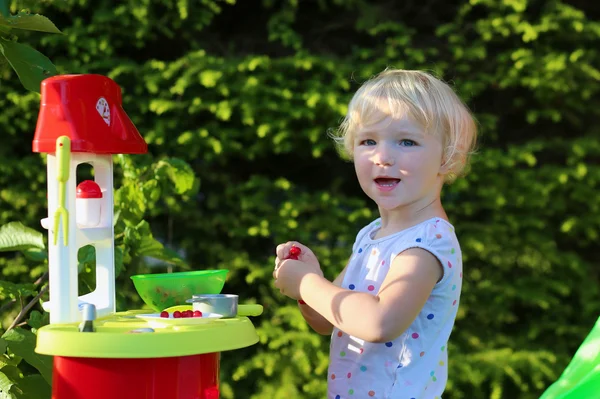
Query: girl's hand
288, 276
288, 273
306, 255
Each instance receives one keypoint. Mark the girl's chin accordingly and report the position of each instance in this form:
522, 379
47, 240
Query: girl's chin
388, 205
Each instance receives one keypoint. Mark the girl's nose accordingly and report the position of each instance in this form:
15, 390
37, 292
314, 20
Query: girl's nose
384, 158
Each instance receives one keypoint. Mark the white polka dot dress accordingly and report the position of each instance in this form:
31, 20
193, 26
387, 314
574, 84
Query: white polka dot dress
414, 365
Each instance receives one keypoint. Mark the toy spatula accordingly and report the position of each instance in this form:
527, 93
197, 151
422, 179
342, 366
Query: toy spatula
63, 160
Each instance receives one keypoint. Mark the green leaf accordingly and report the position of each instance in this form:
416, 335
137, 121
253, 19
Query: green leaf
86, 256
5, 386
179, 172
149, 246
130, 202
38, 319
12, 372
16, 237
22, 343
34, 387
170, 256
16, 291
30, 65
5, 8
36, 255
119, 264
25, 21
2, 346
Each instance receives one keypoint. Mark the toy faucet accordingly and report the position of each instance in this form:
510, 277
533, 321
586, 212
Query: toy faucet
81, 121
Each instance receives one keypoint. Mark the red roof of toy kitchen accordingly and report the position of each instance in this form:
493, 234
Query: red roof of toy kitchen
88, 109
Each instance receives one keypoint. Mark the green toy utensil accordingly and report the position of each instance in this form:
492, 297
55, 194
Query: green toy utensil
63, 165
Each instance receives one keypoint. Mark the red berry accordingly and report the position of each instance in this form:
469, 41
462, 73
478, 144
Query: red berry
295, 252
177, 314
197, 313
164, 314
301, 302
189, 313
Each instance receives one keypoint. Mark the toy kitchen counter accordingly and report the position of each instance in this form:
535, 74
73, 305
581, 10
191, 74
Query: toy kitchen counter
137, 358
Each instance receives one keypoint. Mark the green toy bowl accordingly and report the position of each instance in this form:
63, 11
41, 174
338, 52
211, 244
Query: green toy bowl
163, 290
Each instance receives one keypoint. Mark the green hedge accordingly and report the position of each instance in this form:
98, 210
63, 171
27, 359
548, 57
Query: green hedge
245, 92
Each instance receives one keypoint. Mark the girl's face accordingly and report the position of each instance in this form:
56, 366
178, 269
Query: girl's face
398, 165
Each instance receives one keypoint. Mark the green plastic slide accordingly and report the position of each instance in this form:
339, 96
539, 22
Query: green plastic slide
581, 378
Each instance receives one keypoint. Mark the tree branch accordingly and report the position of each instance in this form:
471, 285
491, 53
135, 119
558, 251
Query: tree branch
24, 311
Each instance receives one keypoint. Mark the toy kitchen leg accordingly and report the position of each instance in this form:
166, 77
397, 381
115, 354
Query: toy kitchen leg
183, 377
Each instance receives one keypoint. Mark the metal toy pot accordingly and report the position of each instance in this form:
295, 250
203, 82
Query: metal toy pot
224, 304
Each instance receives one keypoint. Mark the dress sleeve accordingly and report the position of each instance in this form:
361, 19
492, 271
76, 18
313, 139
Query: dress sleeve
439, 239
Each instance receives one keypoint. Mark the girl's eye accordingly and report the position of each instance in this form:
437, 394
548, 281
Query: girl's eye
368, 142
407, 143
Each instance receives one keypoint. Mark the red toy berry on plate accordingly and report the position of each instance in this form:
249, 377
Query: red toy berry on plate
164, 314
177, 314
197, 313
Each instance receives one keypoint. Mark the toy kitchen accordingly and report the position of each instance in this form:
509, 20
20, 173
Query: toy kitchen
170, 352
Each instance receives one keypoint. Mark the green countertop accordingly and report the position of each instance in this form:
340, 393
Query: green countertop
116, 337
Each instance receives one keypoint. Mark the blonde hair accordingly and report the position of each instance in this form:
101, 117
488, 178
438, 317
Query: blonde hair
427, 100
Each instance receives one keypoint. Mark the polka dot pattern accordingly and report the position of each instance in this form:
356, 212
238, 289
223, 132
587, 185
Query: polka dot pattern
354, 363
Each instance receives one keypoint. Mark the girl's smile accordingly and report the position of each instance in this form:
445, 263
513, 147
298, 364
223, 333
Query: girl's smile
386, 184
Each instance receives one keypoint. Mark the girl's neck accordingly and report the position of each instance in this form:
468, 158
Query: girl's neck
395, 220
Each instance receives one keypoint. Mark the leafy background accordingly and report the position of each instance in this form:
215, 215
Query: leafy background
235, 100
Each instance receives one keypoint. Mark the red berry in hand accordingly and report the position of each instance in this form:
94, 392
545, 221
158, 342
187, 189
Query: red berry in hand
164, 314
197, 313
294, 253
301, 302
177, 314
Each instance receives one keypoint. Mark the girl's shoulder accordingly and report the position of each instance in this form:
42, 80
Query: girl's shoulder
435, 234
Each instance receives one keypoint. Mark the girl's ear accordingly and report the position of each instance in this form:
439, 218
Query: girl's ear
445, 167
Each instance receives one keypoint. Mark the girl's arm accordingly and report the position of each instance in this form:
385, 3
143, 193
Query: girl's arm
381, 318
317, 322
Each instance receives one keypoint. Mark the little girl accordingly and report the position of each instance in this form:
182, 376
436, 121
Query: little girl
391, 310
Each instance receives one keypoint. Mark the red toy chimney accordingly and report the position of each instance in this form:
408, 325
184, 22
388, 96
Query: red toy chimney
88, 109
